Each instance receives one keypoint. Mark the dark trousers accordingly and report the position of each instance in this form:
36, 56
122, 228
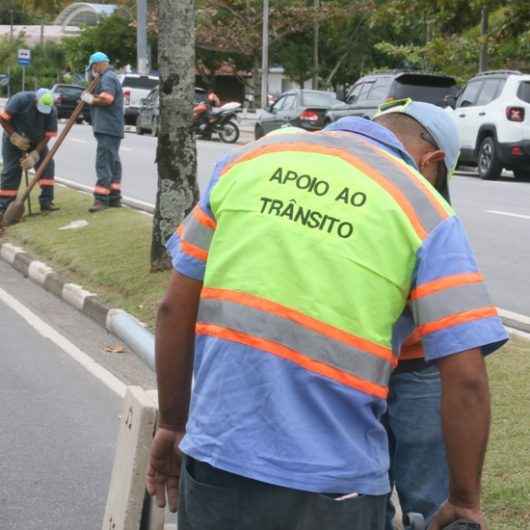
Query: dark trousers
212, 499
108, 168
12, 173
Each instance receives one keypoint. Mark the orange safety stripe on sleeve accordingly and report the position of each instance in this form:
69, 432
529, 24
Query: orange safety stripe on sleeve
356, 162
5, 115
50, 134
101, 191
455, 320
412, 351
188, 248
109, 98
295, 357
447, 282
302, 320
46, 183
8, 193
115, 186
202, 217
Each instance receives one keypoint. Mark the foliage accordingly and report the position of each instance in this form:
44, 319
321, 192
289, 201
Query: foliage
114, 35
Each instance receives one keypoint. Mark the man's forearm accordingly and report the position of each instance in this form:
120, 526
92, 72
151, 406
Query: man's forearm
175, 334
466, 423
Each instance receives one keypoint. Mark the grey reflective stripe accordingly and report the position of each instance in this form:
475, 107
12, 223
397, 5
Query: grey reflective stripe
196, 233
408, 182
300, 339
450, 302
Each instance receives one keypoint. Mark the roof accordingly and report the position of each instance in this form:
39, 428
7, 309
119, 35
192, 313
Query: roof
84, 13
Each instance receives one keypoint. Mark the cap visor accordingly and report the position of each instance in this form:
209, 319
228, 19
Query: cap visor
44, 108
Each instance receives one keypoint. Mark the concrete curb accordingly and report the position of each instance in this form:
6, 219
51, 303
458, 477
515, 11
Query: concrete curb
123, 325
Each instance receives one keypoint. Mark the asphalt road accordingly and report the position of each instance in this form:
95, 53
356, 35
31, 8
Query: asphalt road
496, 214
59, 421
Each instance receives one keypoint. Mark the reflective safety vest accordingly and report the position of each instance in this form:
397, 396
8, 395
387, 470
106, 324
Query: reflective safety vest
311, 246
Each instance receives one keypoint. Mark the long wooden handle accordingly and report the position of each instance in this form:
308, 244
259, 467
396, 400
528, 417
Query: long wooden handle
69, 124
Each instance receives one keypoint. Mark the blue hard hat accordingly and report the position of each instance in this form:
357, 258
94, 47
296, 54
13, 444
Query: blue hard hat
98, 57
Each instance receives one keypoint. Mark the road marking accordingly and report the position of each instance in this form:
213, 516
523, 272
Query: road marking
108, 379
78, 141
508, 214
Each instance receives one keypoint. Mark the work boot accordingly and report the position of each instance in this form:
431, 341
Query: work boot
115, 203
47, 207
98, 206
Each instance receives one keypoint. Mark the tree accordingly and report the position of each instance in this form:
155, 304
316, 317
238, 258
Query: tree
115, 35
176, 152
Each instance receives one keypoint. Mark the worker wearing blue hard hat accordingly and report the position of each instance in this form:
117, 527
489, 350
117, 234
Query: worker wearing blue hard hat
108, 125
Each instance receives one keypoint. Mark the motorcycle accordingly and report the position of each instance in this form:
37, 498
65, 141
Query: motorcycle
217, 120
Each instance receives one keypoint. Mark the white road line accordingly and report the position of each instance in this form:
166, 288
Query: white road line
509, 214
108, 379
78, 141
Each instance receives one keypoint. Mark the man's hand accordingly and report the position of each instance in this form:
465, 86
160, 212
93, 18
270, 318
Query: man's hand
163, 471
87, 97
20, 141
449, 513
28, 162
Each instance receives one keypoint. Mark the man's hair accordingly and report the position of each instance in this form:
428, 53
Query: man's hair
407, 129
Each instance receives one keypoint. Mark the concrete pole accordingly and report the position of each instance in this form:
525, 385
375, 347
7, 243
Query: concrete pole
483, 59
142, 64
265, 55
315, 47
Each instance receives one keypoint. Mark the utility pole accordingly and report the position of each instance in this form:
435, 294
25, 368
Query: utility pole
483, 59
315, 46
142, 59
10, 41
265, 56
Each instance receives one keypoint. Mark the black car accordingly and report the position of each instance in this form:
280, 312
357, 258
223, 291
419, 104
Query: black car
365, 96
149, 114
300, 108
66, 99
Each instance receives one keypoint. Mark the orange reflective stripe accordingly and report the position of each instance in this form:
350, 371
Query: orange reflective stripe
356, 162
419, 183
455, 320
8, 193
115, 186
46, 182
445, 283
101, 191
301, 319
295, 357
50, 134
203, 218
109, 98
412, 351
188, 248
5, 115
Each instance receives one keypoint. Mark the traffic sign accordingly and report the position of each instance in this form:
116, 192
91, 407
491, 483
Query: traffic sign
24, 57
4, 79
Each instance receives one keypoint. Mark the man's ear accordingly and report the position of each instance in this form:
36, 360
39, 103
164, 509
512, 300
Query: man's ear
432, 157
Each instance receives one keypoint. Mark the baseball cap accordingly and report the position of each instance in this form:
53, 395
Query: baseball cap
44, 100
438, 122
98, 57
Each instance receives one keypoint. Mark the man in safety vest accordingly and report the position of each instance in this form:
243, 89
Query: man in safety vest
29, 121
288, 303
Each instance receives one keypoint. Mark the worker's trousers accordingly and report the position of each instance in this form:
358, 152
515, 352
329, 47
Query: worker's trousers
212, 499
418, 463
108, 168
12, 173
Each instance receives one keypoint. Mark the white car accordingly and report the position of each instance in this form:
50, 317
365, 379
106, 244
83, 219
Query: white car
135, 88
493, 117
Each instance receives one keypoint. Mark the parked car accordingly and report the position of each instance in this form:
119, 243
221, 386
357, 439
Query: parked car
149, 112
365, 96
135, 88
301, 108
493, 117
66, 99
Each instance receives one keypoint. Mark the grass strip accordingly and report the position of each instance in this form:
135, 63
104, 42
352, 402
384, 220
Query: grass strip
110, 257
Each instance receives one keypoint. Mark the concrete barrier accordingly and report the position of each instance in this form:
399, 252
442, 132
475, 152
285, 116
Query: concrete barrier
128, 506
